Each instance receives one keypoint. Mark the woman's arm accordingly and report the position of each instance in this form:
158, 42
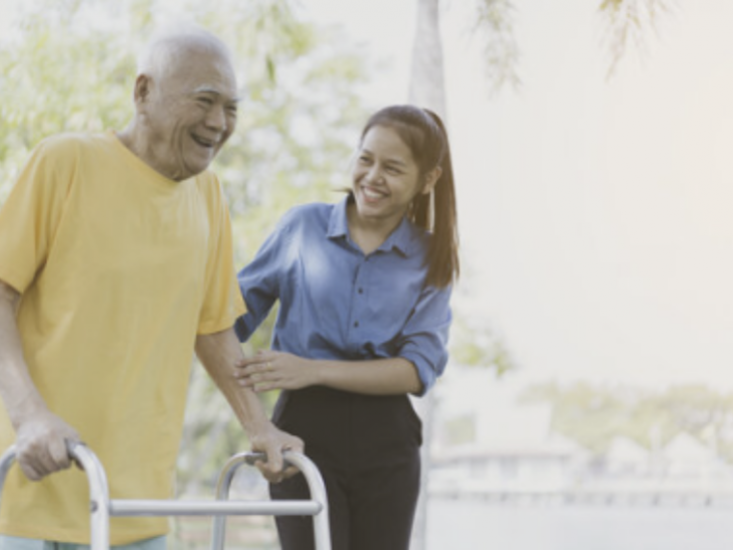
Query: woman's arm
420, 359
273, 370
259, 281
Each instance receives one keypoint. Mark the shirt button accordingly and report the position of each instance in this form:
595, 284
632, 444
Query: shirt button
361, 290
356, 324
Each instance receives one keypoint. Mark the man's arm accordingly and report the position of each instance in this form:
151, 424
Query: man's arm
40, 435
219, 353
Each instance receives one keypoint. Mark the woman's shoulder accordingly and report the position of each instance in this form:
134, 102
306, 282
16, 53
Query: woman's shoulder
418, 237
306, 215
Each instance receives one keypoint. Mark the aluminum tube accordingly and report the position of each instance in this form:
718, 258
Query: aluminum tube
317, 488
313, 477
5, 463
213, 507
98, 494
218, 531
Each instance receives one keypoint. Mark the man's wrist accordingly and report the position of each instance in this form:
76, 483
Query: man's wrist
25, 408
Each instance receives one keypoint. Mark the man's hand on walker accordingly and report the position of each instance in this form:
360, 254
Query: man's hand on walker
273, 442
41, 444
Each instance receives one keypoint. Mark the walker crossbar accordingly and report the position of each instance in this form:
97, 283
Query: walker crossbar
321, 530
101, 507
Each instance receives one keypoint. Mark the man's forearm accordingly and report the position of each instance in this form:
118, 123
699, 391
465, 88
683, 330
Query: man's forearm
218, 353
17, 390
40, 435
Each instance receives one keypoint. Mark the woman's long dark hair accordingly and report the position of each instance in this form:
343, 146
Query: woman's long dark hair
424, 133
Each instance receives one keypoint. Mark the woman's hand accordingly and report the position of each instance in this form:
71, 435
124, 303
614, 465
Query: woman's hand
276, 370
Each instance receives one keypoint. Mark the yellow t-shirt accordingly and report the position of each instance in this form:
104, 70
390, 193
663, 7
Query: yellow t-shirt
119, 269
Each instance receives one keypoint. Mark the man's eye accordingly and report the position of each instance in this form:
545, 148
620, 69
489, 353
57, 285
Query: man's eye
205, 101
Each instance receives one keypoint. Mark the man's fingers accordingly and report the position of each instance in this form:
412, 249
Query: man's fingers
59, 453
272, 477
274, 460
30, 472
36, 465
42, 462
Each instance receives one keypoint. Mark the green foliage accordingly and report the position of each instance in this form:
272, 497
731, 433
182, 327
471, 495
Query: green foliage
48, 81
495, 26
299, 119
473, 341
629, 21
625, 21
593, 416
475, 344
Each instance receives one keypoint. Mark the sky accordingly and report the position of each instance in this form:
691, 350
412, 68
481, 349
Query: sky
595, 212
597, 239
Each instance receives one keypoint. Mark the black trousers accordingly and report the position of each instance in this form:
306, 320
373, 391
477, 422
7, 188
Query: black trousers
368, 451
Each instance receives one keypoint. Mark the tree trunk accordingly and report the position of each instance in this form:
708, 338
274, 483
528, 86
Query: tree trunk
427, 77
427, 89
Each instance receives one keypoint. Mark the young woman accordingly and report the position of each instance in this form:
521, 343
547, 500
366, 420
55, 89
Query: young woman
364, 288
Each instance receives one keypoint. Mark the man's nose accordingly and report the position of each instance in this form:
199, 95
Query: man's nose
216, 118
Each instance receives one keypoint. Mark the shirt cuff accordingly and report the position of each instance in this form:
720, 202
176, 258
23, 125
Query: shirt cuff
425, 371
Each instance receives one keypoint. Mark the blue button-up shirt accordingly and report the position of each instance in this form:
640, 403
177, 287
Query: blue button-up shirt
337, 303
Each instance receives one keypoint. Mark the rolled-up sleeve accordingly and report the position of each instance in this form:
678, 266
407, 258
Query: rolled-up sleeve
424, 340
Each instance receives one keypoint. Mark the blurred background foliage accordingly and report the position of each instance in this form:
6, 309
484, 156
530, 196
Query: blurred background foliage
69, 66
298, 124
593, 415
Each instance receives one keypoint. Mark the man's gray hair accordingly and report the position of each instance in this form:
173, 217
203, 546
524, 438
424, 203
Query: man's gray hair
167, 44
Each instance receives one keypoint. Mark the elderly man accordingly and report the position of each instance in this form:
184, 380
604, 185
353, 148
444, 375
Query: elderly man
115, 264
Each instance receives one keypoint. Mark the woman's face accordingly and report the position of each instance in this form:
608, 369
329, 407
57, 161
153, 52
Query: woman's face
386, 177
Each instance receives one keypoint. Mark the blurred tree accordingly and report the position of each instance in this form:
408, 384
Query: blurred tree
594, 415
68, 67
494, 27
629, 21
626, 20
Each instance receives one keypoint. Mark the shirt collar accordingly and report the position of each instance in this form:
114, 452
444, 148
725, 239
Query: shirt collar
401, 239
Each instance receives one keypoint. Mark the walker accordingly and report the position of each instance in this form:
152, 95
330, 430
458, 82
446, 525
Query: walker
101, 507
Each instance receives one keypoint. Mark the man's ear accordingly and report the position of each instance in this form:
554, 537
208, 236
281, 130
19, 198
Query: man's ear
143, 88
431, 178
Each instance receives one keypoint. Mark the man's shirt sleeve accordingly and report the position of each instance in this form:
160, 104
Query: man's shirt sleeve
32, 212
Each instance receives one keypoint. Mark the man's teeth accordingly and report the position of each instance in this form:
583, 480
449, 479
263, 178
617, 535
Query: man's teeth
203, 141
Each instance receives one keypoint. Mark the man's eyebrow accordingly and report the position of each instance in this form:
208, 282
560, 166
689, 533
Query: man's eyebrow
210, 90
